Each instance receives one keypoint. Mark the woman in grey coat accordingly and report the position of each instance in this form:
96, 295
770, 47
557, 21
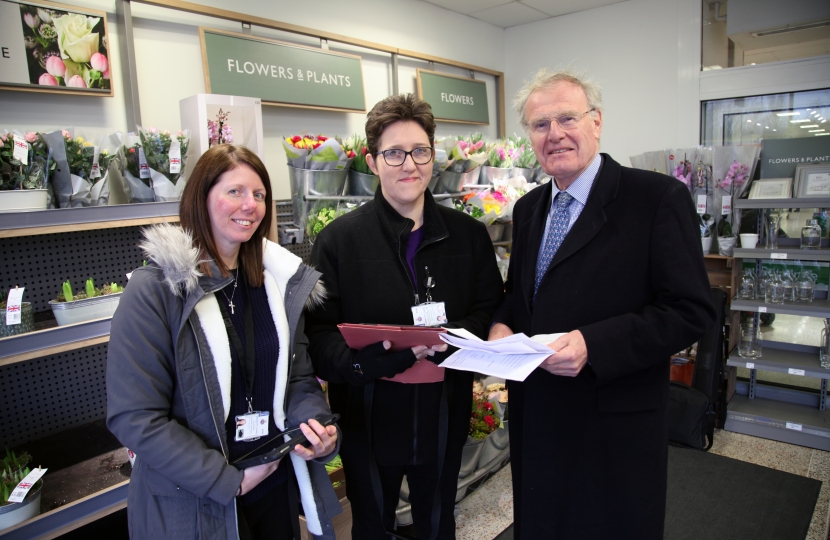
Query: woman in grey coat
185, 392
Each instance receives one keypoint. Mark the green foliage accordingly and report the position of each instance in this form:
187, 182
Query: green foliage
13, 470
67, 292
90, 288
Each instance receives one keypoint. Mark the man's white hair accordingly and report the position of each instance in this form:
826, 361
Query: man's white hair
545, 78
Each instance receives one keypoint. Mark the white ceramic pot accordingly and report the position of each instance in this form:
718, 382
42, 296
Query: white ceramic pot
85, 309
23, 200
12, 514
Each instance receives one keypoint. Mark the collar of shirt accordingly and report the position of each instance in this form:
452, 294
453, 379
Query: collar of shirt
581, 187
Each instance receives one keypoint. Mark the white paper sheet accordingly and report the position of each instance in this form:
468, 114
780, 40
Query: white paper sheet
514, 357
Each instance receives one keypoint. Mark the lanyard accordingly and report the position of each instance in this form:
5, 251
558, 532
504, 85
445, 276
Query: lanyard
247, 353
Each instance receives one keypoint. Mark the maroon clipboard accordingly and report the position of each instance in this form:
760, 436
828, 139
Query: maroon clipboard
358, 336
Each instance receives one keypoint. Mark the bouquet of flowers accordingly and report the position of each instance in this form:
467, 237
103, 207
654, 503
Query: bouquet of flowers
319, 153
34, 173
323, 213
732, 170
65, 49
155, 162
219, 132
485, 207
526, 157
680, 164
465, 153
483, 419
356, 150
511, 190
80, 155
503, 155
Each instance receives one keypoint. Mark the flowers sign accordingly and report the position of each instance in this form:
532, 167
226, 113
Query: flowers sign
60, 47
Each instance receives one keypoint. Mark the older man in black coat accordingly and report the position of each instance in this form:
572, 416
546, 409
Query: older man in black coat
610, 256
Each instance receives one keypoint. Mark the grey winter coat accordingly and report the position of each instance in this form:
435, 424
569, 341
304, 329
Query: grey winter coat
168, 390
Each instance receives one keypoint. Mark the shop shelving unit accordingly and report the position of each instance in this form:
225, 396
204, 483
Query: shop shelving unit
53, 379
788, 415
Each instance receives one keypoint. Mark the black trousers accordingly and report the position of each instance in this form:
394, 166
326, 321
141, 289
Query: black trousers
367, 523
269, 518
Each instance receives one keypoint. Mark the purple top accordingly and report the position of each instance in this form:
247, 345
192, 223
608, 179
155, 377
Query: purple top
412, 244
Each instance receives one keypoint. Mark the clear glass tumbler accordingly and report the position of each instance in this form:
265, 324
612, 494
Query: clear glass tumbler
824, 346
750, 344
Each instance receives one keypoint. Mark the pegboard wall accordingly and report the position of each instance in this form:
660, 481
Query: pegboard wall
42, 263
51, 394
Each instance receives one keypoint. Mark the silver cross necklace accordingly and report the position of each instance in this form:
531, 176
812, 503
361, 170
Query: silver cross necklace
230, 300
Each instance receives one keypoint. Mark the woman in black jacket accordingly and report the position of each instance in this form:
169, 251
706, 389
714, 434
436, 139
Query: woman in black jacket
379, 262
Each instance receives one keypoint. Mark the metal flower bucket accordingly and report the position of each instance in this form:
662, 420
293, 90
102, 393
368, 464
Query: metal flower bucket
313, 183
453, 182
522, 171
488, 174
434, 181
361, 184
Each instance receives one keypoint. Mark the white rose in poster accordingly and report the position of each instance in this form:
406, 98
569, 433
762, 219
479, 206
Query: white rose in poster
76, 39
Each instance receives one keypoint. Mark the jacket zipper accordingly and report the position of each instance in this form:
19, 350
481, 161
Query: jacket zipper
417, 301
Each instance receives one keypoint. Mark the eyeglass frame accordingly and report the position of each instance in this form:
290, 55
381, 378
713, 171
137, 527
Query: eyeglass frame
405, 155
582, 115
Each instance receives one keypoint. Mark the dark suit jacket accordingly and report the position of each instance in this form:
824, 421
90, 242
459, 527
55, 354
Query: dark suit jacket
589, 452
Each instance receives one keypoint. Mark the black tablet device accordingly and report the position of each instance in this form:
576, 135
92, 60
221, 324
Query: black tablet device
281, 449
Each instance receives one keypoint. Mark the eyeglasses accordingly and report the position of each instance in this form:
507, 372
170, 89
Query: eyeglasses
420, 156
566, 121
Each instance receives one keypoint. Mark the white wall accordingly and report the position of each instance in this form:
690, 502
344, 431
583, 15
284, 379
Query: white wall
645, 55
169, 66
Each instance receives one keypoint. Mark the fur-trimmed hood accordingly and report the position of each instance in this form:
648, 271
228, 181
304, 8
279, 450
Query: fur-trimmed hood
171, 248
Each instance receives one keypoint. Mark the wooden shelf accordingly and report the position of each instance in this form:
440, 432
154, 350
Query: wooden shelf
54, 340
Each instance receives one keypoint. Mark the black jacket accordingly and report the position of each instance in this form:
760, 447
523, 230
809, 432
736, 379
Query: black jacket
630, 276
362, 256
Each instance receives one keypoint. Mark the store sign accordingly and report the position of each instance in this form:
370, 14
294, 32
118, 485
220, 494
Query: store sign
281, 73
454, 99
47, 47
780, 157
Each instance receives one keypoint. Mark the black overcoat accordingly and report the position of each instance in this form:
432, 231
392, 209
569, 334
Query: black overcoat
589, 453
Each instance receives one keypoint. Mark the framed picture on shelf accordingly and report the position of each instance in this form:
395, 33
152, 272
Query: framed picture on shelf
812, 180
771, 188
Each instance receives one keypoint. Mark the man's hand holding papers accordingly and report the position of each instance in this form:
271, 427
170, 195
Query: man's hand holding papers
513, 357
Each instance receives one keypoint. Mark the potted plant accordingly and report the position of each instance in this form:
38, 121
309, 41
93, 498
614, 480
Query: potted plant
726, 237
91, 304
23, 185
27, 318
706, 232
500, 162
12, 471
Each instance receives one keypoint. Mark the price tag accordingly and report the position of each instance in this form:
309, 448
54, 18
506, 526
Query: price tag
762, 309
175, 156
750, 365
726, 206
778, 255
792, 371
25, 485
794, 426
95, 172
143, 168
701, 204
21, 150
13, 303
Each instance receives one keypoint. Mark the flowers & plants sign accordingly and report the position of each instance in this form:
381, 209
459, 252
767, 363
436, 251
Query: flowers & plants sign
53, 47
281, 73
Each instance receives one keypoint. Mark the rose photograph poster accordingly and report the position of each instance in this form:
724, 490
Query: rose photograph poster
47, 46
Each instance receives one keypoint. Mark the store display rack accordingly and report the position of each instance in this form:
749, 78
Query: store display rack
773, 412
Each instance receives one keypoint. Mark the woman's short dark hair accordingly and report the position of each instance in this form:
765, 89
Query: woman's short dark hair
394, 109
193, 210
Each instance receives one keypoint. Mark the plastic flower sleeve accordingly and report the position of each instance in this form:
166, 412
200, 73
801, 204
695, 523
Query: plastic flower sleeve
328, 156
680, 162
61, 177
296, 156
732, 170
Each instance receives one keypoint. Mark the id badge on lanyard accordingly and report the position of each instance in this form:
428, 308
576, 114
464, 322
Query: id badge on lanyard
429, 313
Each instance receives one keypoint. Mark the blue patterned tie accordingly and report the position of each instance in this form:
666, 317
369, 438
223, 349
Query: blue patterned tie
556, 233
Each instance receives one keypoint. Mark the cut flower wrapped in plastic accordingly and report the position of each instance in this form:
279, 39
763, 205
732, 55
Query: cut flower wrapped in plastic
14, 174
316, 152
323, 213
465, 153
155, 163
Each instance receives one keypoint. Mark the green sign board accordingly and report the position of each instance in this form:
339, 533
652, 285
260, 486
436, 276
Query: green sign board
454, 99
281, 73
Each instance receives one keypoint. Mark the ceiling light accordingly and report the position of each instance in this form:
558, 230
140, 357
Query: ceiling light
808, 126
757, 124
823, 121
774, 129
821, 134
749, 120
788, 114
793, 28
767, 127
800, 120
808, 110
815, 131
